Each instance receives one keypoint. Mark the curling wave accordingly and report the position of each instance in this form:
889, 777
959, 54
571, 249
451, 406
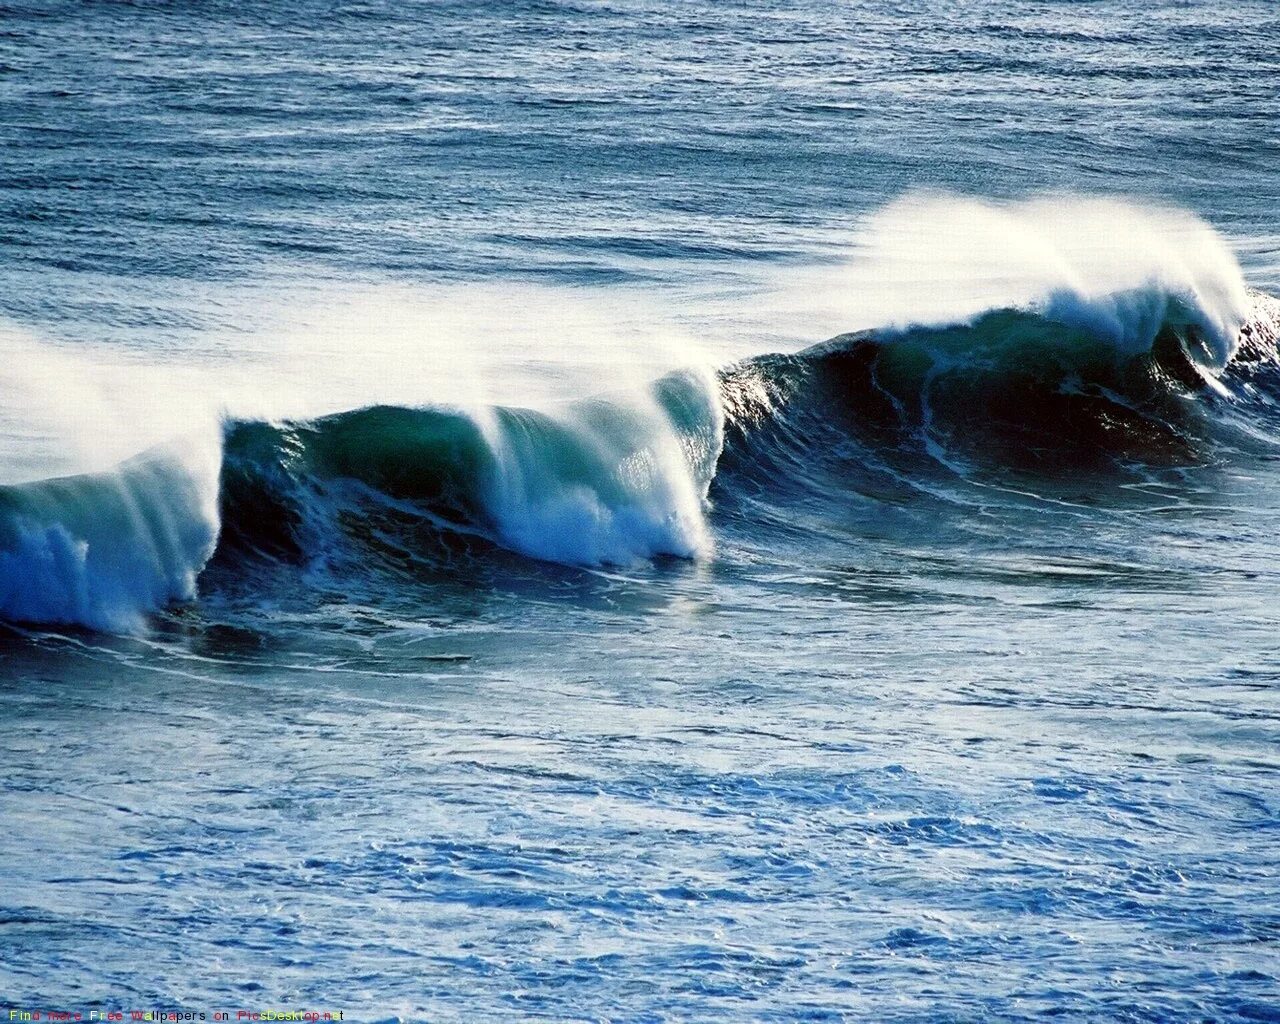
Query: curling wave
1152, 371
603, 480
1130, 379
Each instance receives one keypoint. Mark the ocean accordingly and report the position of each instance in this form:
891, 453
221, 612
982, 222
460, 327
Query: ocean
604, 510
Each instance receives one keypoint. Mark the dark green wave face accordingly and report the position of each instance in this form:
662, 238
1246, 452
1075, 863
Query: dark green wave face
1012, 405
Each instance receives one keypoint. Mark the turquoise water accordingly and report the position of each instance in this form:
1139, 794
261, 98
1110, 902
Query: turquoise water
440, 580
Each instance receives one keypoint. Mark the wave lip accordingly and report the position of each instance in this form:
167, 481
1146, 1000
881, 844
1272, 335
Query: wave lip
105, 550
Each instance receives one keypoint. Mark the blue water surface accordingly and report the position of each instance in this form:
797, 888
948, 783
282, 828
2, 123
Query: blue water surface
998, 748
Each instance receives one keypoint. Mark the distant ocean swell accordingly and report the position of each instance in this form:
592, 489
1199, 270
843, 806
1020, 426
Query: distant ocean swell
1149, 375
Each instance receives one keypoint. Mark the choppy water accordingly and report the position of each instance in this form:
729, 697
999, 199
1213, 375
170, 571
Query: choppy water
442, 583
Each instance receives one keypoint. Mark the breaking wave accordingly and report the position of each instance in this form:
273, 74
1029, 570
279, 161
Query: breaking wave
1065, 371
602, 480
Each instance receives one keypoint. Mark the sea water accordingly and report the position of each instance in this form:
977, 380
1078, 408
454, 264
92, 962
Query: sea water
442, 580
